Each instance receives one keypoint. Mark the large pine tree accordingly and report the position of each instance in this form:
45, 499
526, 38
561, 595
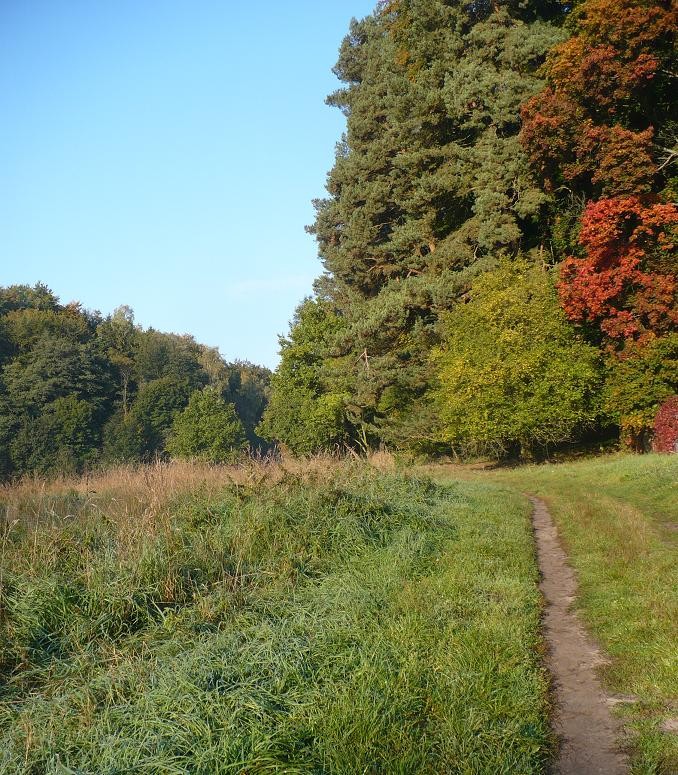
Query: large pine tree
429, 188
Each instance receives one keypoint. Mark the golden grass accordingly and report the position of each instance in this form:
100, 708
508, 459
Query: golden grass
140, 491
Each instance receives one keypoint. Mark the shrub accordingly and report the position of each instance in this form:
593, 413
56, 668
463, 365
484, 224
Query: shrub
639, 380
666, 427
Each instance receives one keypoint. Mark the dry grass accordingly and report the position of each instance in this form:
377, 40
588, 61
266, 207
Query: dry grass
137, 501
140, 492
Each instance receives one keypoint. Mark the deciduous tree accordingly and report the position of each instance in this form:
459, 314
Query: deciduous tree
512, 373
207, 429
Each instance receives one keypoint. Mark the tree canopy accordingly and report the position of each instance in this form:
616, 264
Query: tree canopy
477, 134
78, 389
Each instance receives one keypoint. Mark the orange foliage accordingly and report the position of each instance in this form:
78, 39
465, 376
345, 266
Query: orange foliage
587, 124
625, 283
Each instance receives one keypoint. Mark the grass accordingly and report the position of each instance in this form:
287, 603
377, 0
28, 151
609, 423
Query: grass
314, 619
618, 519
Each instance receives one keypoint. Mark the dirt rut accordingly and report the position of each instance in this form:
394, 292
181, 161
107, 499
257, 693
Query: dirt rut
588, 732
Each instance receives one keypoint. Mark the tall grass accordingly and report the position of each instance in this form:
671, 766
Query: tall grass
325, 619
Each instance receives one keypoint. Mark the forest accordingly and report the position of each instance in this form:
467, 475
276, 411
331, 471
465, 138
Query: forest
79, 390
499, 265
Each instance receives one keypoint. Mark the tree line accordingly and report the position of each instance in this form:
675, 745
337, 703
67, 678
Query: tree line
78, 389
498, 236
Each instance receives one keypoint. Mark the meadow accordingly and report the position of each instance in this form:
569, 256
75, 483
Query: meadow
318, 617
617, 517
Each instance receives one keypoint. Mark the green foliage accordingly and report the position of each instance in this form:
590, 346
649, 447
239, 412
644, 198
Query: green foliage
208, 429
62, 438
248, 389
304, 414
122, 439
17, 297
54, 368
25, 327
118, 338
511, 371
637, 383
160, 356
430, 184
153, 411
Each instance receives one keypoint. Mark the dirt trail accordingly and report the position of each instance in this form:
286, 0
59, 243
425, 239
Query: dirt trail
588, 733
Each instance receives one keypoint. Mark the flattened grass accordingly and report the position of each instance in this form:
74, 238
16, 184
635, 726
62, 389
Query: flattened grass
618, 519
349, 622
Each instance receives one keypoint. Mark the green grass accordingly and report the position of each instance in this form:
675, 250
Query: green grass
350, 622
618, 518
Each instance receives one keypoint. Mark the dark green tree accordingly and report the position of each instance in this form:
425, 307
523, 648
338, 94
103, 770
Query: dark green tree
153, 411
118, 337
77, 388
55, 368
160, 355
62, 438
429, 187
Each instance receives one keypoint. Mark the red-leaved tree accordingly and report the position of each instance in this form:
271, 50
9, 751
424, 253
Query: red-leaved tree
626, 283
608, 92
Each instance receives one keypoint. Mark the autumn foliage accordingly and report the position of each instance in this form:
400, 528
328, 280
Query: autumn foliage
602, 132
666, 427
624, 283
595, 123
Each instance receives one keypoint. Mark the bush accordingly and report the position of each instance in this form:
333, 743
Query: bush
666, 427
638, 381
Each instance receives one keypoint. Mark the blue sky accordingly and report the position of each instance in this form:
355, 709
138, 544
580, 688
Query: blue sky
163, 154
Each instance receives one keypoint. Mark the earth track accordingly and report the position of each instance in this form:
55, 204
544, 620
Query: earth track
587, 731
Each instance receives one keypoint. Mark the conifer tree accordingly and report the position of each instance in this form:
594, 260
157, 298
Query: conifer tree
430, 186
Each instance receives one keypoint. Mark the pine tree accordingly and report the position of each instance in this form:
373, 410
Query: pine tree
429, 187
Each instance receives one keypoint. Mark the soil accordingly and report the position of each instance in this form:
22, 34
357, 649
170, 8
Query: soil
587, 730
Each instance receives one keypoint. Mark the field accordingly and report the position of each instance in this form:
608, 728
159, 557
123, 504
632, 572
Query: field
332, 618
324, 617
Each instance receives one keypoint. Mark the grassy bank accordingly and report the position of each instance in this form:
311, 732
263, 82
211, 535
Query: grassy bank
618, 519
265, 620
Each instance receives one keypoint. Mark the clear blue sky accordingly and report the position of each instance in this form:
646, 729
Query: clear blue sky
164, 153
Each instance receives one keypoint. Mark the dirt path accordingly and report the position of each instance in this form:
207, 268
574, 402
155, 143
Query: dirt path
587, 731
